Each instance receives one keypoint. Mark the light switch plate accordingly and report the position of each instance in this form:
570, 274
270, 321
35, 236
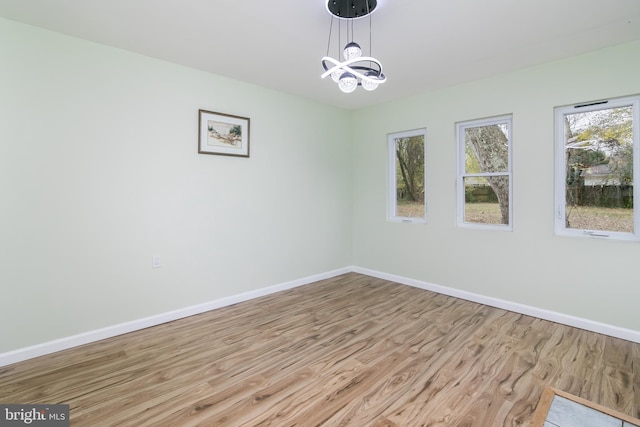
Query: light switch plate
155, 261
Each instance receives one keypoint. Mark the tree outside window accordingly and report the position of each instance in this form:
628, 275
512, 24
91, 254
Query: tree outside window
407, 176
484, 173
596, 168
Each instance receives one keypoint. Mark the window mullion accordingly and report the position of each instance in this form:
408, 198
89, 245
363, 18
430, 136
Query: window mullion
485, 174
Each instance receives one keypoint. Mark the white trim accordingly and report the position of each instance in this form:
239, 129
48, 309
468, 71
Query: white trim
49, 347
31, 352
553, 316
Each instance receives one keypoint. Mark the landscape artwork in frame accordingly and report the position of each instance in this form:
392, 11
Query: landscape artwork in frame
223, 134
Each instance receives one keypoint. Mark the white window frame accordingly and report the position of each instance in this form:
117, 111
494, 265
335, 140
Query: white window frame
560, 168
392, 177
462, 174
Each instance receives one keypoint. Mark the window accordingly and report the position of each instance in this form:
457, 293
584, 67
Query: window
407, 176
597, 169
484, 173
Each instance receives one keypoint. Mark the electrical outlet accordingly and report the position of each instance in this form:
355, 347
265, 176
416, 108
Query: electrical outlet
155, 261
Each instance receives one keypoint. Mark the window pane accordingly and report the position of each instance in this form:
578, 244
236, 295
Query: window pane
409, 170
487, 148
481, 204
599, 170
484, 173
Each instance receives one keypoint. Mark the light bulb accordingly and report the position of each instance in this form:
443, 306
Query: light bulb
370, 84
348, 83
352, 50
336, 74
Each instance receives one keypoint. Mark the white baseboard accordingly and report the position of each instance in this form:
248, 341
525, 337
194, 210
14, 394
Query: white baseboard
564, 319
26, 353
31, 352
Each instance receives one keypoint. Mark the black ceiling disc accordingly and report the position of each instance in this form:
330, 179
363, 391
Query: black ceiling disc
349, 9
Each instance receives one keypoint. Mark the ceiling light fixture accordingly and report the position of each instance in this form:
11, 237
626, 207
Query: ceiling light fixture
356, 70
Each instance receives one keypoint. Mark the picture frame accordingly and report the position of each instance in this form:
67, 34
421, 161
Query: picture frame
223, 134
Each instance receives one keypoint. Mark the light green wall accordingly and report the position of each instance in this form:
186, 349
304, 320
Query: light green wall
99, 171
592, 279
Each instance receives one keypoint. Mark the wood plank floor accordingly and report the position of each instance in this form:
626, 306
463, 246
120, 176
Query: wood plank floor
349, 351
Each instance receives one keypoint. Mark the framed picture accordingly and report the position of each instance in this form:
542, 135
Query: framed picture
223, 134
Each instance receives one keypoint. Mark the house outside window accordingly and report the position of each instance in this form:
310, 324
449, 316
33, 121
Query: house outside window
484, 173
406, 154
596, 179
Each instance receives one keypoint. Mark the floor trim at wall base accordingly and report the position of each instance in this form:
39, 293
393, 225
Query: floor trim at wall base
31, 352
26, 353
564, 319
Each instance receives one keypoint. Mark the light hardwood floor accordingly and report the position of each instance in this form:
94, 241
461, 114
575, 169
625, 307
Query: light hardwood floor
349, 351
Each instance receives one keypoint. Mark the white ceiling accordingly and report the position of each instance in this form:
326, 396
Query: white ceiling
422, 44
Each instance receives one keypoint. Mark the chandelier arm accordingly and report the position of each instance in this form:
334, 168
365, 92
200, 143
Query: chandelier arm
336, 66
361, 76
364, 59
355, 70
348, 62
353, 60
379, 79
